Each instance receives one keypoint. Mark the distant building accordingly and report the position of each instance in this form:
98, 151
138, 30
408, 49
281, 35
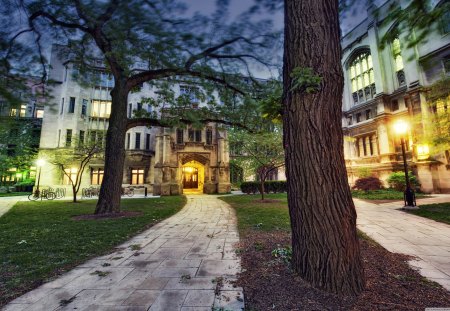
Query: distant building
164, 160
385, 85
20, 131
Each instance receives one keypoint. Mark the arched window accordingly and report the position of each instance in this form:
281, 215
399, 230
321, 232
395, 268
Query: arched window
398, 62
362, 78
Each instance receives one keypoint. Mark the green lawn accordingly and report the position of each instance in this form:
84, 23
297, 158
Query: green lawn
14, 194
39, 239
439, 212
261, 216
385, 194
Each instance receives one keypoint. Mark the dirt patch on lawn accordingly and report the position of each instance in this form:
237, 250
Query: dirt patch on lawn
126, 214
270, 284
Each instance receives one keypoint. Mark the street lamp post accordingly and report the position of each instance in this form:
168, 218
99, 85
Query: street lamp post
408, 196
39, 163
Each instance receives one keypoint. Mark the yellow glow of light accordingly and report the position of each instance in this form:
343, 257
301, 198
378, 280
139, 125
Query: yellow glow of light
188, 169
423, 151
40, 162
400, 127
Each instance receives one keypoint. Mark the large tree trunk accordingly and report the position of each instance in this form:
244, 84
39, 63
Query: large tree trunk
323, 217
111, 188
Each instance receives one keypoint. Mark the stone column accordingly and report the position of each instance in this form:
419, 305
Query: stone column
158, 173
385, 142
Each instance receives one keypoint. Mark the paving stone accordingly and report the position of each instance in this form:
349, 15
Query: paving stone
229, 300
15, 307
92, 280
174, 253
115, 296
34, 295
142, 297
181, 263
219, 267
113, 308
192, 283
174, 272
169, 300
133, 279
54, 300
84, 299
153, 283
199, 298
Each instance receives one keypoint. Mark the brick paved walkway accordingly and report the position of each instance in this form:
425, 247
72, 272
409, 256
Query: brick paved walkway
400, 232
187, 262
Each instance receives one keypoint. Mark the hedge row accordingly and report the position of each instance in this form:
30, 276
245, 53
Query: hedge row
278, 186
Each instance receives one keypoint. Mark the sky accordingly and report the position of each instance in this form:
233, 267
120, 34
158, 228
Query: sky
350, 20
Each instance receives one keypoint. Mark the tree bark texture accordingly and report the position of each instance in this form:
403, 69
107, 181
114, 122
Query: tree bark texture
325, 245
111, 188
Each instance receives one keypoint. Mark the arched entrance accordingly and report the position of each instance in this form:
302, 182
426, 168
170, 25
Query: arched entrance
193, 177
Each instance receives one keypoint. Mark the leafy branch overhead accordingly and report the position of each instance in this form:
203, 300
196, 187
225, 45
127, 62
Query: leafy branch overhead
304, 80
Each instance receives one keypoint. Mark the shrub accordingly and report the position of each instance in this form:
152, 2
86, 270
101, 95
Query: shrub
252, 187
368, 183
397, 181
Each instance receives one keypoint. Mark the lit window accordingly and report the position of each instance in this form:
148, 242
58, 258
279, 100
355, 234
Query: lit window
97, 176
23, 110
137, 176
13, 113
362, 78
398, 61
101, 108
39, 113
70, 176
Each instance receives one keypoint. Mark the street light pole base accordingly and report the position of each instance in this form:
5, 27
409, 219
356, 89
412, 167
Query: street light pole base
409, 197
410, 208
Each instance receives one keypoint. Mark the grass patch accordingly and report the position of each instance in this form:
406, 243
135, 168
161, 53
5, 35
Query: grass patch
384, 194
14, 194
39, 240
260, 216
438, 212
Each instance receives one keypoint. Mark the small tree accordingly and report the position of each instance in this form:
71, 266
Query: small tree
79, 157
258, 152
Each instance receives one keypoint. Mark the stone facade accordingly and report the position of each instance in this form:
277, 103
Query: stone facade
384, 85
154, 158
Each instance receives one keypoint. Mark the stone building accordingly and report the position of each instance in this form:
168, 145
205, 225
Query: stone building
163, 160
20, 129
384, 85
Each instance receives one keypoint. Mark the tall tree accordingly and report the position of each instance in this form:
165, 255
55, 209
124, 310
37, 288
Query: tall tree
142, 41
325, 245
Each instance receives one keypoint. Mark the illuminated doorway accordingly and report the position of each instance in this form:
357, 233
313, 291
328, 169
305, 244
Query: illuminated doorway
190, 177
